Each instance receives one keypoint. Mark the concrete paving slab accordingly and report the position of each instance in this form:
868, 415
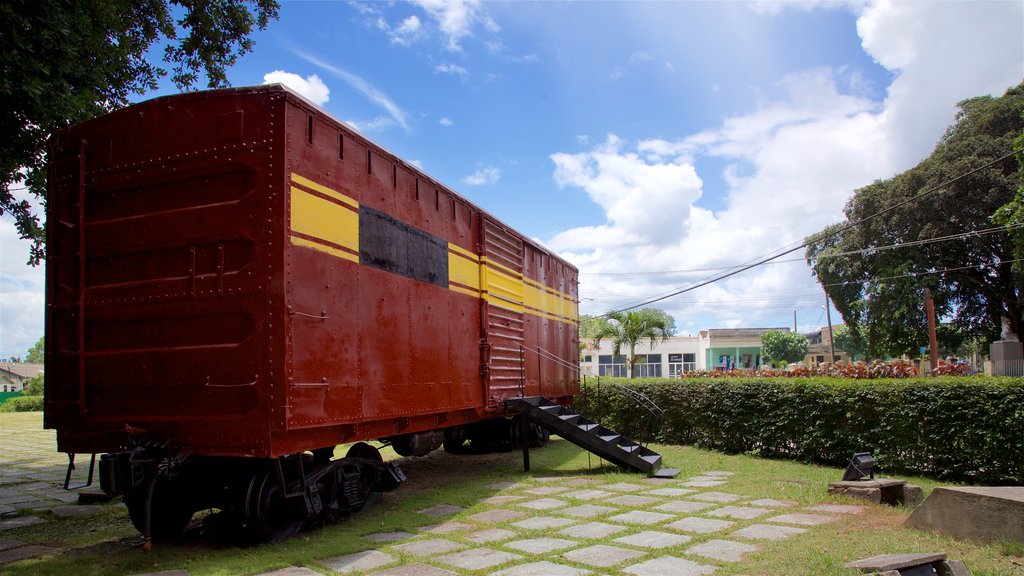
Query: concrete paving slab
624, 487
702, 483
20, 500
767, 532
715, 497
772, 503
586, 494
669, 566
5, 544
8, 511
547, 490
654, 539
427, 547
641, 517
381, 537
447, 528
684, 506
542, 523
25, 552
490, 535
592, 530
414, 569
738, 512
165, 573
719, 473
19, 522
76, 511
700, 525
291, 571
632, 500
360, 561
502, 499
478, 558
441, 510
541, 545
586, 511
673, 492
802, 519
504, 485
544, 568
548, 478
703, 477
497, 515
581, 482
724, 550
543, 504
602, 555
837, 508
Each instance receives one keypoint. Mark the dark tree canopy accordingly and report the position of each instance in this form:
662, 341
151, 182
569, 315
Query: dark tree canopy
64, 61
879, 290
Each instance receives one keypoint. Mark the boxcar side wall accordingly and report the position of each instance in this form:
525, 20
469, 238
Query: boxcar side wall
160, 276
236, 273
409, 309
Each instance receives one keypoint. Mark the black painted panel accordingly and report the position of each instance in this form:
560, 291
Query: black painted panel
389, 244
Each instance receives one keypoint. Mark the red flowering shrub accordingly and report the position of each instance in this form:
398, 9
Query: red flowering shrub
855, 371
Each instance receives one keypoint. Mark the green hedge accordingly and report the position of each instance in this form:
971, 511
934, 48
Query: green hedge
968, 429
23, 404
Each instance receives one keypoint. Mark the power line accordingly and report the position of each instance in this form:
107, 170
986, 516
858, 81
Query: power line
764, 259
912, 243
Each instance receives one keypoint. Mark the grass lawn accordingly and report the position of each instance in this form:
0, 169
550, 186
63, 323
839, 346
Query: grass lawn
106, 544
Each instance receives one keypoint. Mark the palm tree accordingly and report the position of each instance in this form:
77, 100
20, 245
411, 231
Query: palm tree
629, 328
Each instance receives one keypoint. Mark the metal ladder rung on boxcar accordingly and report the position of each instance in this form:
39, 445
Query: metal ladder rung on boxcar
588, 435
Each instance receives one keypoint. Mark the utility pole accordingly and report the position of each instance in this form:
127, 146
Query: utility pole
794, 321
933, 341
831, 342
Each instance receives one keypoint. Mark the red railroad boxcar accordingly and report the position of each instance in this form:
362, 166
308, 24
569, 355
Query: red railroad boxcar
235, 278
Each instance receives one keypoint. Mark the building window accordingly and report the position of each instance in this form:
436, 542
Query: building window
679, 364
588, 358
607, 365
647, 366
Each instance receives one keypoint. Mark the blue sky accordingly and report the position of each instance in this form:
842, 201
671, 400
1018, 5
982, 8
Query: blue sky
636, 138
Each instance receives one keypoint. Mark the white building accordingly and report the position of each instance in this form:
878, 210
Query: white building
668, 358
714, 349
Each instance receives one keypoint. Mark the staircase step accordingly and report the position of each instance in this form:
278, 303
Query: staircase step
590, 436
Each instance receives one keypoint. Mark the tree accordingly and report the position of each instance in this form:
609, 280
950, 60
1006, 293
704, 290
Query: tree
875, 269
35, 353
849, 341
629, 329
591, 326
33, 386
65, 61
786, 346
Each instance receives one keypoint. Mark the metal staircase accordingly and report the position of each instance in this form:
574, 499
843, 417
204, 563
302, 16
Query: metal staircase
588, 435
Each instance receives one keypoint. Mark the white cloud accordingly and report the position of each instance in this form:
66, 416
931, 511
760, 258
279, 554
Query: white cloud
311, 87
484, 176
21, 289
454, 69
369, 91
791, 163
457, 18
446, 122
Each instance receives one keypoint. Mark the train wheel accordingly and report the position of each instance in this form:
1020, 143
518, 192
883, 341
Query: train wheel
170, 512
364, 451
271, 516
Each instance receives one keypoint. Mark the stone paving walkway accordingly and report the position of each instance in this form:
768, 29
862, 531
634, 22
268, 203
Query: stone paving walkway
549, 526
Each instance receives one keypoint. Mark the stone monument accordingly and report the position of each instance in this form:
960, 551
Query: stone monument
1006, 352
